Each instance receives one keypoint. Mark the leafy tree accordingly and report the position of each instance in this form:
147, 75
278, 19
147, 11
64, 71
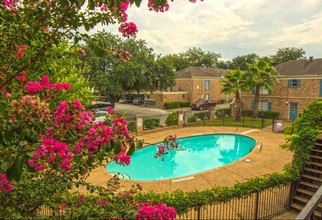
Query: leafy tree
164, 74
45, 153
177, 61
242, 61
198, 57
235, 82
260, 74
66, 66
288, 53
224, 64
193, 57
100, 57
113, 77
139, 70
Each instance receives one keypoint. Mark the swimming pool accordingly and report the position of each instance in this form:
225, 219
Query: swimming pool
200, 153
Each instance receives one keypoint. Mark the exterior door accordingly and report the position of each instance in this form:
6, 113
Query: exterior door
293, 110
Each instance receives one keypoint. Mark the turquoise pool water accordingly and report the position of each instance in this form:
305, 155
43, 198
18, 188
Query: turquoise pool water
201, 153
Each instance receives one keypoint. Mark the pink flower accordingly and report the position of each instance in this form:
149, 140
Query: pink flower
163, 8
5, 185
159, 211
62, 206
102, 202
97, 136
104, 7
49, 151
33, 87
20, 49
45, 81
122, 159
128, 29
22, 77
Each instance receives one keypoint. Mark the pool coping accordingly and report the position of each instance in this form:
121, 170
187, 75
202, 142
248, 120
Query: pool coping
269, 159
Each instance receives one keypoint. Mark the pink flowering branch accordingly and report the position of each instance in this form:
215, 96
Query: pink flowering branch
169, 143
5, 185
159, 211
41, 50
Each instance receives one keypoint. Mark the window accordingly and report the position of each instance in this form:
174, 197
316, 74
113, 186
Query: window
263, 106
294, 83
207, 84
263, 91
207, 96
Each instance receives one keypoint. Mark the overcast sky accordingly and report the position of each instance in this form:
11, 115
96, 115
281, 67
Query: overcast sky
232, 27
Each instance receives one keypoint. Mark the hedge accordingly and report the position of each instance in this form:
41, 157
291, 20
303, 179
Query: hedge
202, 115
264, 114
151, 123
172, 119
223, 112
173, 105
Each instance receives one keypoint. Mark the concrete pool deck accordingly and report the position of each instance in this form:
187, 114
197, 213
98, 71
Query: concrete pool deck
271, 158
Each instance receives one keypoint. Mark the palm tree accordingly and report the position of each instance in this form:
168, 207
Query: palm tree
260, 74
234, 82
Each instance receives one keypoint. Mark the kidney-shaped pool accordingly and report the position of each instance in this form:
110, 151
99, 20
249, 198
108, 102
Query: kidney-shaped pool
196, 154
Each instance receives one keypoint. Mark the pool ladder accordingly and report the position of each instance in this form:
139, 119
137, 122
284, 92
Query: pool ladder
122, 175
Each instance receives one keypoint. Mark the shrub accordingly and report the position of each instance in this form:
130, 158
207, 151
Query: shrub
172, 119
151, 123
131, 126
264, 114
172, 105
223, 112
202, 115
192, 118
221, 101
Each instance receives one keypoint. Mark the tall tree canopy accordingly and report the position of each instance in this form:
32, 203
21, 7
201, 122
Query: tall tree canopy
288, 53
112, 77
260, 74
242, 61
193, 57
234, 82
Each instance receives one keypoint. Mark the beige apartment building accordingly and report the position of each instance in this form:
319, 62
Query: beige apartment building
192, 83
299, 83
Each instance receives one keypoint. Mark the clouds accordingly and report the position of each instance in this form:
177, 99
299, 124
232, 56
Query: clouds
232, 27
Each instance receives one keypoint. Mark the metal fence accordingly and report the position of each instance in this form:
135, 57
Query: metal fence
259, 205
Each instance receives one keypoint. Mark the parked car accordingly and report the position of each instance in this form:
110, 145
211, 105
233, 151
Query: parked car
99, 107
128, 99
138, 101
203, 104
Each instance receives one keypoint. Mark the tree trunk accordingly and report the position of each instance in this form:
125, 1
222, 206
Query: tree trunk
113, 101
238, 108
256, 101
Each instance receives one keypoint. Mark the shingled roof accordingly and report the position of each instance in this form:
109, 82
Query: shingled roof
200, 72
300, 67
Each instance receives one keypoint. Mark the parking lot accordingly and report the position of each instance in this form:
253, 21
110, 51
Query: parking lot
132, 110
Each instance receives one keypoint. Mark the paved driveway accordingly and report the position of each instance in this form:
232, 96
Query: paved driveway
132, 110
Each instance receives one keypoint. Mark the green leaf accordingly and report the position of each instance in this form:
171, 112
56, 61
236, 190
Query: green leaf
131, 150
139, 144
138, 3
15, 171
117, 147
